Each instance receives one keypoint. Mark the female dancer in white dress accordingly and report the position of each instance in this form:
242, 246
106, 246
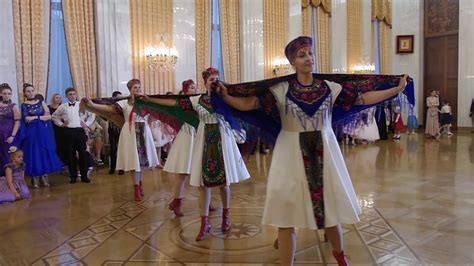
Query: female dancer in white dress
180, 156
216, 159
136, 149
297, 176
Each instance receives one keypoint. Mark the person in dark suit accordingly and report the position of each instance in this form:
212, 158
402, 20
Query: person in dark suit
114, 135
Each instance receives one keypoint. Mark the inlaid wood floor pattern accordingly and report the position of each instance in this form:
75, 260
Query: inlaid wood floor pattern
417, 197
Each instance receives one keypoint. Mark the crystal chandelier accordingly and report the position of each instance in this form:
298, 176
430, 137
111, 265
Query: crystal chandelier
365, 67
282, 67
161, 57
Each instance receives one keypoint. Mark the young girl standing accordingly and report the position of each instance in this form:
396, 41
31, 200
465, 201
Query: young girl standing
397, 122
412, 123
446, 119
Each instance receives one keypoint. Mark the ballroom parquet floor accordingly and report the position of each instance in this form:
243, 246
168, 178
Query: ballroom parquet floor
417, 197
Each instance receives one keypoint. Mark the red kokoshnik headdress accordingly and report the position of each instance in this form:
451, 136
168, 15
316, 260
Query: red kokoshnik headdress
208, 72
186, 84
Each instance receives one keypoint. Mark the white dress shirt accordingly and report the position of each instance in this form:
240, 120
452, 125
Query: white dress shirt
68, 113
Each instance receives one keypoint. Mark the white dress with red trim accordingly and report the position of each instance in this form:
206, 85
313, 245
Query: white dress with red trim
212, 142
136, 148
301, 143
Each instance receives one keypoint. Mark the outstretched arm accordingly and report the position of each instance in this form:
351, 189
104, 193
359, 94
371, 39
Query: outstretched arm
239, 103
165, 102
98, 107
374, 97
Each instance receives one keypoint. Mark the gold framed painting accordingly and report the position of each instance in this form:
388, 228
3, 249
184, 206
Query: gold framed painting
405, 44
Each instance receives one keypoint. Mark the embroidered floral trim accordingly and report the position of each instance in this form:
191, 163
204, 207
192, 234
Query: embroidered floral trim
213, 170
205, 101
141, 145
317, 120
205, 111
307, 94
312, 150
308, 98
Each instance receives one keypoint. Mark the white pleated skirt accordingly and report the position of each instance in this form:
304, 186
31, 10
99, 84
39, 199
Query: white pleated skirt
181, 153
288, 202
127, 153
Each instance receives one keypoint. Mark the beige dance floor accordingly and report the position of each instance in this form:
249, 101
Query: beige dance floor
417, 197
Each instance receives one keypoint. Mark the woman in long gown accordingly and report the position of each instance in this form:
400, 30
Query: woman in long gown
216, 160
9, 124
38, 142
136, 149
368, 130
432, 117
302, 191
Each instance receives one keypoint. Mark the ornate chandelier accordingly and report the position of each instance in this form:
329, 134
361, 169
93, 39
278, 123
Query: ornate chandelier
365, 67
161, 56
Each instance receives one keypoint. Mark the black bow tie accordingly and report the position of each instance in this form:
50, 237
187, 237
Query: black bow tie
72, 104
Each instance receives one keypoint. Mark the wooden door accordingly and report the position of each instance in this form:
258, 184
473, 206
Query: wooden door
441, 70
441, 52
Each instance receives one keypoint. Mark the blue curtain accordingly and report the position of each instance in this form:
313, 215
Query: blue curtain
216, 49
59, 76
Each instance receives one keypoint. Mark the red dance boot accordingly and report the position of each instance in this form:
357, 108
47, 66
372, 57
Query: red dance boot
141, 189
175, 206
225, 220
205, 228
138, 196
342, 260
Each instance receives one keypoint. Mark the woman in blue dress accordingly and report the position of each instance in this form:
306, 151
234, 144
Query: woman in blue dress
38, 142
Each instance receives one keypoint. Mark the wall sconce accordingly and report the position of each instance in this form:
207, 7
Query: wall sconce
281, 67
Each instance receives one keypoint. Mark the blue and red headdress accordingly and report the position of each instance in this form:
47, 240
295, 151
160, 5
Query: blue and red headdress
208, 72
296, 44
186, 84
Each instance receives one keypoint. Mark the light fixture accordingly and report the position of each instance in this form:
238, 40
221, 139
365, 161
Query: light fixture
363, 68
282, 67
366, 67
162, 57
